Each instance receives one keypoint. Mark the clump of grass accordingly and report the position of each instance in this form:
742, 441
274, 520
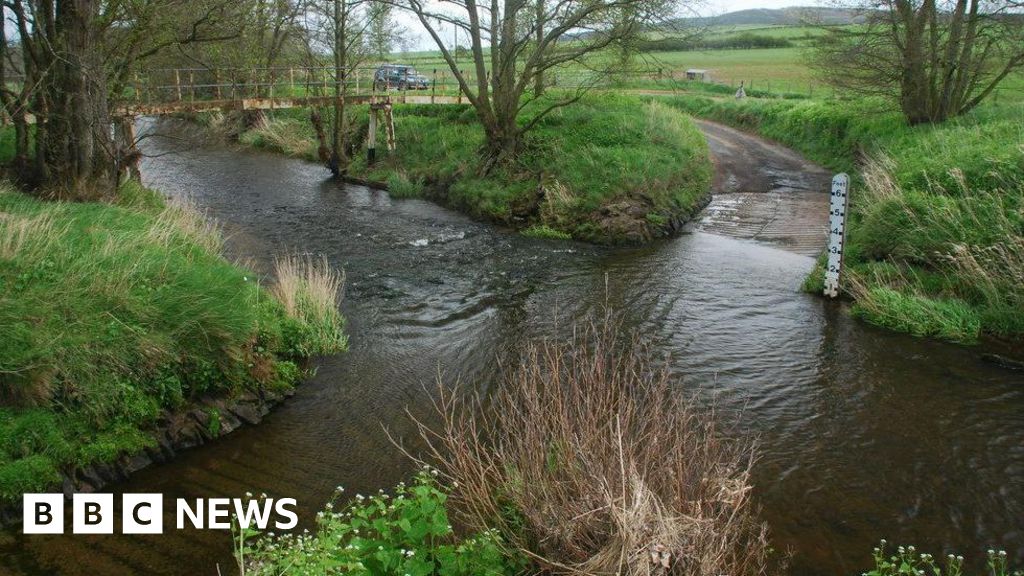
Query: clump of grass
588, 462
181, 220
956, 257
284, 135
310, 290
545, 231
950, 319
401, 186
26, 236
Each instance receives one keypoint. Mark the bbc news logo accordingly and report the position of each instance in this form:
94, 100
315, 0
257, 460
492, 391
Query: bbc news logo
144, 513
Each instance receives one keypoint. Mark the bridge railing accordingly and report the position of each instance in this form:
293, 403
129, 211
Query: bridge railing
170, 85
173, 85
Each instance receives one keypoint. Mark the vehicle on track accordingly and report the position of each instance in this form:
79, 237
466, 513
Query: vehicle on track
398, 77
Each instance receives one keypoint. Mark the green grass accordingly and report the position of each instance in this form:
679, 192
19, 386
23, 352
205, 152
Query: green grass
112, 315
935, 243
543, 231
608, 169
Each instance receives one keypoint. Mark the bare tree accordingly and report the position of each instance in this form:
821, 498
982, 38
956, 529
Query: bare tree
338, 32
937, 59
514, 42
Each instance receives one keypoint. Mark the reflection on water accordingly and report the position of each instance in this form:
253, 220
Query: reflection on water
863, 434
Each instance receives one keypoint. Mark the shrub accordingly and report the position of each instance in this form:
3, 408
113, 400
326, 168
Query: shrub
408, 533
587, 460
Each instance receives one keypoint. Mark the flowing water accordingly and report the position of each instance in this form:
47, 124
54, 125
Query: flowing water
864, 434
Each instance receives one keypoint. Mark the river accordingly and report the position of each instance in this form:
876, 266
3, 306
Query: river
863, 433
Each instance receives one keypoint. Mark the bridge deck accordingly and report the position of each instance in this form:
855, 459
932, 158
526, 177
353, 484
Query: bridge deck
148, 109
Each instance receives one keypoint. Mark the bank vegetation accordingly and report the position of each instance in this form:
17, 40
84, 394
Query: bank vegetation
609, 169
117, 317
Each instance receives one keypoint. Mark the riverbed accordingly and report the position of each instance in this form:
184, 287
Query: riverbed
863, 434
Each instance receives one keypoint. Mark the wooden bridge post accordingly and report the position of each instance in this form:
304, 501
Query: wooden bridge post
371, 138
389, 126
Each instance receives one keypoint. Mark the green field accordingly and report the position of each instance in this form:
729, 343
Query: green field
773, 70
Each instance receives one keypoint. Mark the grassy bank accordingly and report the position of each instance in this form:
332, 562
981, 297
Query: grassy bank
935, 243
114, 316
608, 169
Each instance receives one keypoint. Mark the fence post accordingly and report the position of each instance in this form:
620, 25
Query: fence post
433, 85
177, 83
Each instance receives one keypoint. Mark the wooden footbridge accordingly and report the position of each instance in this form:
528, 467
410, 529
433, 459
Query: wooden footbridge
175, 90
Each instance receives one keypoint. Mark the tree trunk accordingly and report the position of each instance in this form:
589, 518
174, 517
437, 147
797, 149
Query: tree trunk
75, 149
538, 79
339, 159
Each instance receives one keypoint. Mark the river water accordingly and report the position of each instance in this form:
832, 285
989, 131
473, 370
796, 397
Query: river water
863, 434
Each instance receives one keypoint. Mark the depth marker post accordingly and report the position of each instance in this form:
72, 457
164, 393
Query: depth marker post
838, 208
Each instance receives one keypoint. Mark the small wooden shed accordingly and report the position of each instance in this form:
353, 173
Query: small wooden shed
696, 74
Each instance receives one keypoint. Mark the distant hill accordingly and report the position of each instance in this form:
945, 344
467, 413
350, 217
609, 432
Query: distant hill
778, 17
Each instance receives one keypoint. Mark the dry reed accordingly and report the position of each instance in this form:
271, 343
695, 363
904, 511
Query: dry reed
587, 461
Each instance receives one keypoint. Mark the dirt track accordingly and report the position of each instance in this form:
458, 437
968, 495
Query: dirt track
765, 192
